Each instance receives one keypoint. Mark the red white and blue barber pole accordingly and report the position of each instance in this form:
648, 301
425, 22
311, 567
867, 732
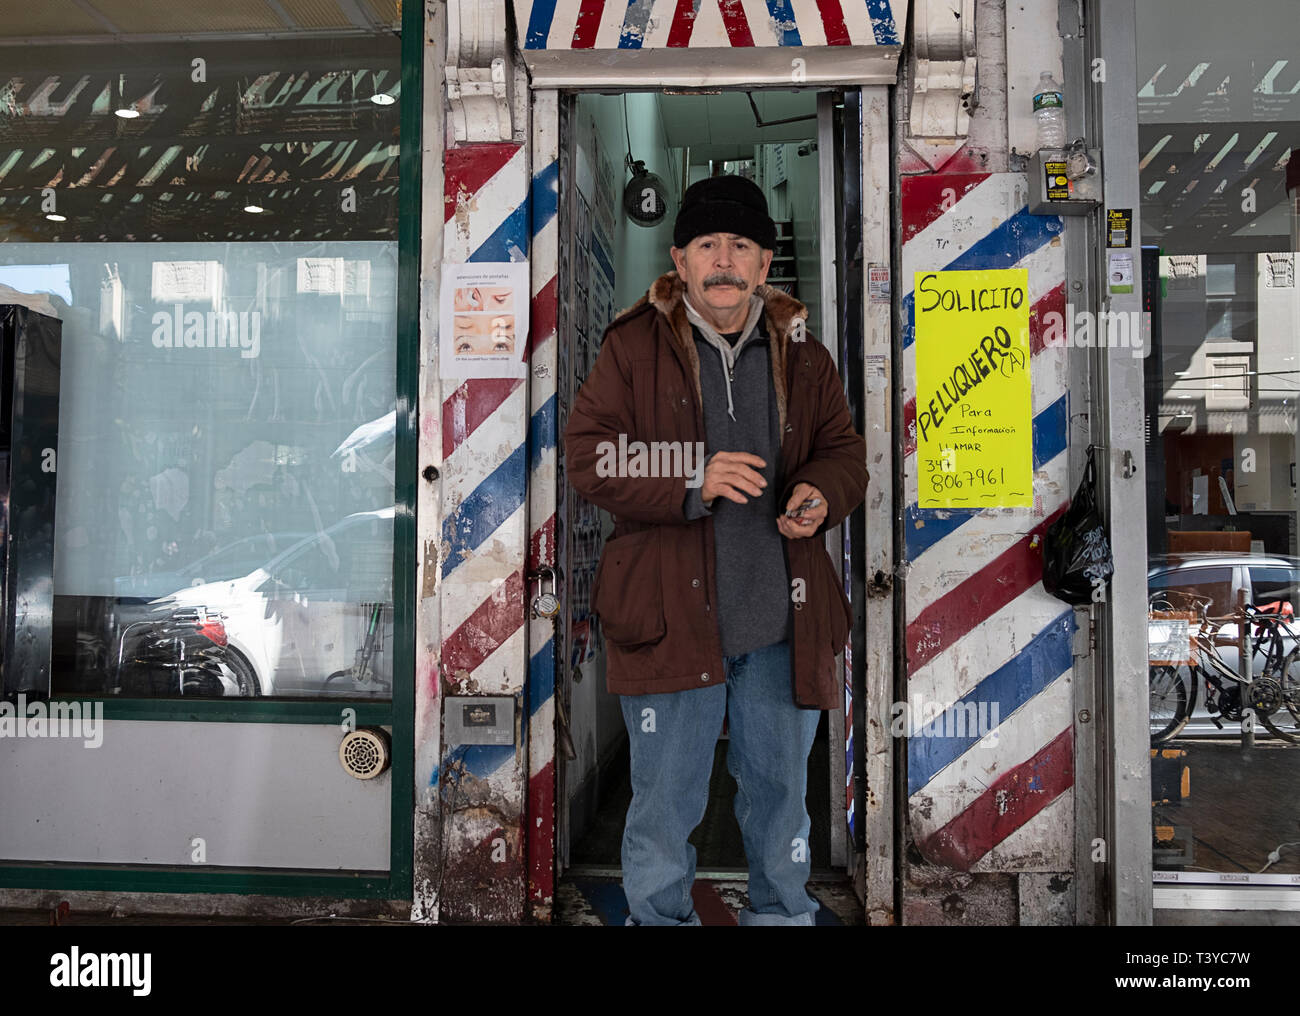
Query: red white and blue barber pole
490, 534
980, 627
653, 24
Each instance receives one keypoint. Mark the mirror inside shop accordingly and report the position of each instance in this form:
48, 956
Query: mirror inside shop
1217, 136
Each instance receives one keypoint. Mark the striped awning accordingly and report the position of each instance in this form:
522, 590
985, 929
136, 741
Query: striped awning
577, 42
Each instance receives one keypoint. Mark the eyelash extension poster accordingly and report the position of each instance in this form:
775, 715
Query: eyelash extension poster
483, 319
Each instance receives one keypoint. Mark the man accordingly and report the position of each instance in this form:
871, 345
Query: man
715, 592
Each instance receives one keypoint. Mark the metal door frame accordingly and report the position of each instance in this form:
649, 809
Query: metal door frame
882, 754
1118, 391
877, 751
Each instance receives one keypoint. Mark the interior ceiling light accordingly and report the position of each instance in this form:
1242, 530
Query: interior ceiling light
382, 99
127, 112
253, 207
56, 217
645, 197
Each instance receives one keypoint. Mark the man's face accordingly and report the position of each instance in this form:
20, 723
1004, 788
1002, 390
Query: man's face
721, 270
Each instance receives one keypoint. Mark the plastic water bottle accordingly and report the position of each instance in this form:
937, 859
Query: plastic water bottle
1049, 111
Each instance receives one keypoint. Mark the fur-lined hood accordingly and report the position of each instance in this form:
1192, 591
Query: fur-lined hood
780, 312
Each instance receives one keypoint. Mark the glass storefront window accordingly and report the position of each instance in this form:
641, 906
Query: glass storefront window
1218, 124
215, 224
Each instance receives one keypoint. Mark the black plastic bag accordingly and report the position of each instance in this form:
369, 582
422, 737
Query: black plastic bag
1076, 550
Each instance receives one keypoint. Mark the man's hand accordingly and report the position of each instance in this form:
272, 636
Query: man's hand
806, 524
732, 475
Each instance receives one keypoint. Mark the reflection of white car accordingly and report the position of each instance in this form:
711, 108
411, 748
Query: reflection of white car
228, 562
1221, 577
304, 614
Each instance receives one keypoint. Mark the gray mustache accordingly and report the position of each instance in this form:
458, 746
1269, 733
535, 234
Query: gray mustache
724, 279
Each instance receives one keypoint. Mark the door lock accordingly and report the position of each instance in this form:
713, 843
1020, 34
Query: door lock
545, 604
1079, 163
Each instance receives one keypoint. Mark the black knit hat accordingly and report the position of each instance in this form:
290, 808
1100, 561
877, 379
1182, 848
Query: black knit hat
724, 204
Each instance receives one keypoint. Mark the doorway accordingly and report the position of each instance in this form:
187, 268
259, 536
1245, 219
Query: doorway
786, 142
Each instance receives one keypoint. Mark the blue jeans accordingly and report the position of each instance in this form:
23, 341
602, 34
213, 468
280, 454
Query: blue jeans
673, 736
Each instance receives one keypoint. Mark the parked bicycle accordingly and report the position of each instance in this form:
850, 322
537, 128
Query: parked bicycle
1269, 687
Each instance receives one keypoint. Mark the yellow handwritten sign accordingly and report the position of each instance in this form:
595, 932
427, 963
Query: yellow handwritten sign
974, 412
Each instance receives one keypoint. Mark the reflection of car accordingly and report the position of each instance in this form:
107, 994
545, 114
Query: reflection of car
1262, 578
228, 562
304, 615
174, 651
133, 650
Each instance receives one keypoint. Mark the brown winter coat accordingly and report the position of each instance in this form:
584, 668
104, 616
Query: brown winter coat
654, 589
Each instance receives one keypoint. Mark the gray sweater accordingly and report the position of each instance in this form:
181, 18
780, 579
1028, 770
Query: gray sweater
740, 415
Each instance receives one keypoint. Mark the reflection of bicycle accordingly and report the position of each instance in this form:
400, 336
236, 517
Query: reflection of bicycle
363, 674
1272, 694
